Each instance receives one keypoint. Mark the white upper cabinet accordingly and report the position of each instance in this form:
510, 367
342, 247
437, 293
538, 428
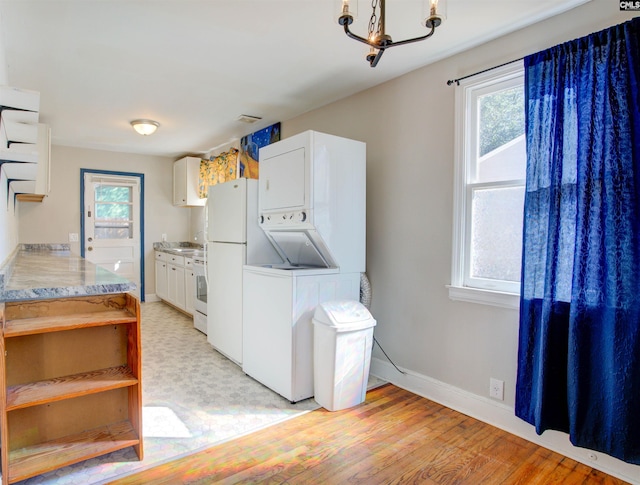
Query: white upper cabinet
186, 173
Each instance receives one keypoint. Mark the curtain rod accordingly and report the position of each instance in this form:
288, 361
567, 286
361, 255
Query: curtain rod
457, 81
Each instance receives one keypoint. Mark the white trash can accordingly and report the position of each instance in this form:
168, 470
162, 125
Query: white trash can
342, 342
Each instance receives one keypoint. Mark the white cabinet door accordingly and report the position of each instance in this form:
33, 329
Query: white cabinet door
43, 179
175, 282
181, 293
161, 279
186, 173
175, 285
180, 182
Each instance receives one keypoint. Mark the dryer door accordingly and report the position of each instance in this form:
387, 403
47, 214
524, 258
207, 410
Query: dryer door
284, 182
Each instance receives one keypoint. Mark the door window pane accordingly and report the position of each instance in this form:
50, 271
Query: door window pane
113, 212
113, 193
113, 230
118, 212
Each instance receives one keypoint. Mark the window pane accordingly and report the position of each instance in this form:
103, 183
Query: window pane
113, 230
113, 212
113, 193
501, 142
496, 233
506, 163
501, 118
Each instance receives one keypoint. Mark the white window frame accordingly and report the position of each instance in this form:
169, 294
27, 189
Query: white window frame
463, 287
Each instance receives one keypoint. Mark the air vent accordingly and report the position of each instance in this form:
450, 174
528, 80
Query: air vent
248, 118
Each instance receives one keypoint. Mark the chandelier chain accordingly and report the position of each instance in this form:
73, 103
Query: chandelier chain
374, 21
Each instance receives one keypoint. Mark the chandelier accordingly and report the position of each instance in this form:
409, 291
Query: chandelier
378, 40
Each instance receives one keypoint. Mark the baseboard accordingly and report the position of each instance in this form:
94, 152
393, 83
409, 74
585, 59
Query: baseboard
501, 416
151, 297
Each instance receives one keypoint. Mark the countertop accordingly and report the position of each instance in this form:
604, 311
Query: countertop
51, 271
186, 249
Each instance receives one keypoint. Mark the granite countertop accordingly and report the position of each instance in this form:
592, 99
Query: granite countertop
186, 249
51, 271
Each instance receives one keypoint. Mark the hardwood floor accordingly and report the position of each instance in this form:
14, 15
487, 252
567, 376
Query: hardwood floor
394, 437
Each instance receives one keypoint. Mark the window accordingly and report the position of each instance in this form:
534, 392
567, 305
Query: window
490, 185
113, 207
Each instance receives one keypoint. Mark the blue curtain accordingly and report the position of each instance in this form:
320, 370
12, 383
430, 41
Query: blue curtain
579, 344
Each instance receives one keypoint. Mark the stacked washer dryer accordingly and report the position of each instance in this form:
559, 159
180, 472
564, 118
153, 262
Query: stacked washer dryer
312, 208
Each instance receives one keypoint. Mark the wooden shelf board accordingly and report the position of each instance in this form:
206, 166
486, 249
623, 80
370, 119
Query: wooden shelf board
42, 392
30, 197
44, 457
31, 326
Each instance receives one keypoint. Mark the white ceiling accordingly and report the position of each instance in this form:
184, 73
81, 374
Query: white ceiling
195, 66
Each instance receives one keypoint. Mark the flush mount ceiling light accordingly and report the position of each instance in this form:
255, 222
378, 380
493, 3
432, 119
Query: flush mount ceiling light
378, 40
145, 127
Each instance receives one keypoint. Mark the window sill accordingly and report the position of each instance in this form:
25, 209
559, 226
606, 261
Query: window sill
485, 297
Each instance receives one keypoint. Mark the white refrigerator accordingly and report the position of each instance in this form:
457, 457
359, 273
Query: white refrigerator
233, 240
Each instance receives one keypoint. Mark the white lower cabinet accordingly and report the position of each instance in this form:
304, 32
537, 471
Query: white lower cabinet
173, 280
161, 278
176, 294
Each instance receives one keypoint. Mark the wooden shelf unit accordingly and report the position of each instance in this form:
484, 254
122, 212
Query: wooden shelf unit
70, 382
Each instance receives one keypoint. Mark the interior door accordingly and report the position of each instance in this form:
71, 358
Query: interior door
112, 226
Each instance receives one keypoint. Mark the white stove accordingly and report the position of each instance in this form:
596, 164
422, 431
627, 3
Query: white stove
200, 305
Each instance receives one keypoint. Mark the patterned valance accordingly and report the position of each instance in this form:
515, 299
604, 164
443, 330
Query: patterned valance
220, 169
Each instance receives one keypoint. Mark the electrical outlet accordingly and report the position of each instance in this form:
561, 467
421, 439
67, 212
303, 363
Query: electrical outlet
73, 237
164, 237
496, 388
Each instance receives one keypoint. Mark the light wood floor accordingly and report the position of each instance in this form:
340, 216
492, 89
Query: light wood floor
394, 437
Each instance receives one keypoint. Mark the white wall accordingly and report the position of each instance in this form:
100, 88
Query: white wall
8, 220
408, 125
59, 214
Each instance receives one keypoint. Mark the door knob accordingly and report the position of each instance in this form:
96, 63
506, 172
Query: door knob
90, 248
